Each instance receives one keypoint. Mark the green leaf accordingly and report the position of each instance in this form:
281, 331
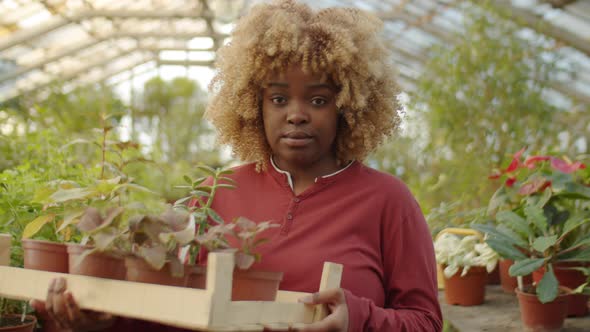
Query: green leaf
187, 179
536, 217
545, 197
521, 242
494, 232
230, 180
198, 182
213, 215
505, 249
526, 266
78, 141
514, 221
182, 200
207, 170
69, 218
548, 287
544, 242
572, 224
155, 256
200, 193
225, 171
34, 226
574, 190
227, 186
103, 239
64, 195
579, 255
497, 200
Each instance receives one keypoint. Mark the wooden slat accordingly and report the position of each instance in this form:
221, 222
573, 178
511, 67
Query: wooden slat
331, 277
5, 249
177, 306
209, 309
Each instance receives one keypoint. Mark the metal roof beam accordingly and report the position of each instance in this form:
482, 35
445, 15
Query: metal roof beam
71, 75
176, 35
531, 20
58, 22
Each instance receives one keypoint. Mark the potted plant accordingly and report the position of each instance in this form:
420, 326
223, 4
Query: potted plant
465, 262
14, 317
240, 236
65, 203
546, 228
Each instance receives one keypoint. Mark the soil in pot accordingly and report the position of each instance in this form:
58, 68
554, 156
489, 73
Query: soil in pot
45, 256
508, 282
140, 271
541, 317
95, 265
467, 290
253, 285
13, 323
578, 303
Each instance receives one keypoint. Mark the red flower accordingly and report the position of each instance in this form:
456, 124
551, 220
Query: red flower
532, 160
566, 167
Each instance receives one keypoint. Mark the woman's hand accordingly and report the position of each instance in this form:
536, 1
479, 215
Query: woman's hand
337, 320
63, 309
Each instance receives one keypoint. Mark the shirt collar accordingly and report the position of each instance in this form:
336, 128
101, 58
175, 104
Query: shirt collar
290, 179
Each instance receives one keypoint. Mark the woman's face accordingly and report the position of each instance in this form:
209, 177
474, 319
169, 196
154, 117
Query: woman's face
300, 119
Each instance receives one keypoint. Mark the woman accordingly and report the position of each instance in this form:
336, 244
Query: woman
304, 97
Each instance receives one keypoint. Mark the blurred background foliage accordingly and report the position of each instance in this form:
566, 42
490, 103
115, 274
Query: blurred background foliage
482, 98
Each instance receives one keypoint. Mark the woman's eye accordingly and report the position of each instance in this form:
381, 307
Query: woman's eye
278, 100
318, 101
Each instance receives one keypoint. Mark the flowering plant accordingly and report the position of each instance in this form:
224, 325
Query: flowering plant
542, 210
456, 253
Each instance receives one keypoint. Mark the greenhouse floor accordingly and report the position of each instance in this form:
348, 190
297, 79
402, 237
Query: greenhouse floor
498, 313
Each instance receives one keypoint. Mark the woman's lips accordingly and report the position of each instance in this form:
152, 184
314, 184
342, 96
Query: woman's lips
296, 139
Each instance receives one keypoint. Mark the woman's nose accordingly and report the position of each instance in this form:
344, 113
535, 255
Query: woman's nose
297, 114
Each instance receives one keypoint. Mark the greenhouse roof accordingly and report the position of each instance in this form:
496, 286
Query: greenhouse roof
91, 41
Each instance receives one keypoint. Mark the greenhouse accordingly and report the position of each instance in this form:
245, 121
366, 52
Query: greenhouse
190, 139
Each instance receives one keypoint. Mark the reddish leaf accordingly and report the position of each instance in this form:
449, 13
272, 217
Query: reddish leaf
565, 167
534, 186
495, 175
518, 154
531, 161
513, 166
510, 181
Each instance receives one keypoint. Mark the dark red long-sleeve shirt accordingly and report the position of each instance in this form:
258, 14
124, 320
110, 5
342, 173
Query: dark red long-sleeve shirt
361, 218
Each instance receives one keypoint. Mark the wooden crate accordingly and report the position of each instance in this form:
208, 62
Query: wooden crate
210, 309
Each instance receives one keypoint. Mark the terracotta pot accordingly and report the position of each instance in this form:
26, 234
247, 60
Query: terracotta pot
510, 283
95, 265
252, 285
541, 317
196, 276
45, 256
14, 324
467, 290
494, 276
140, 271
578, 303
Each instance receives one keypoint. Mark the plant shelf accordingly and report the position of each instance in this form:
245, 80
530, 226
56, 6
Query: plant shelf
209, 309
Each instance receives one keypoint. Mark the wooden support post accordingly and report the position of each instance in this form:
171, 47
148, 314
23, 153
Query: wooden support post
5, 249
219, 285
331, 277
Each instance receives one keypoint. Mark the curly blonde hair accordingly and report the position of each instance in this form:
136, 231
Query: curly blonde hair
343, 44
